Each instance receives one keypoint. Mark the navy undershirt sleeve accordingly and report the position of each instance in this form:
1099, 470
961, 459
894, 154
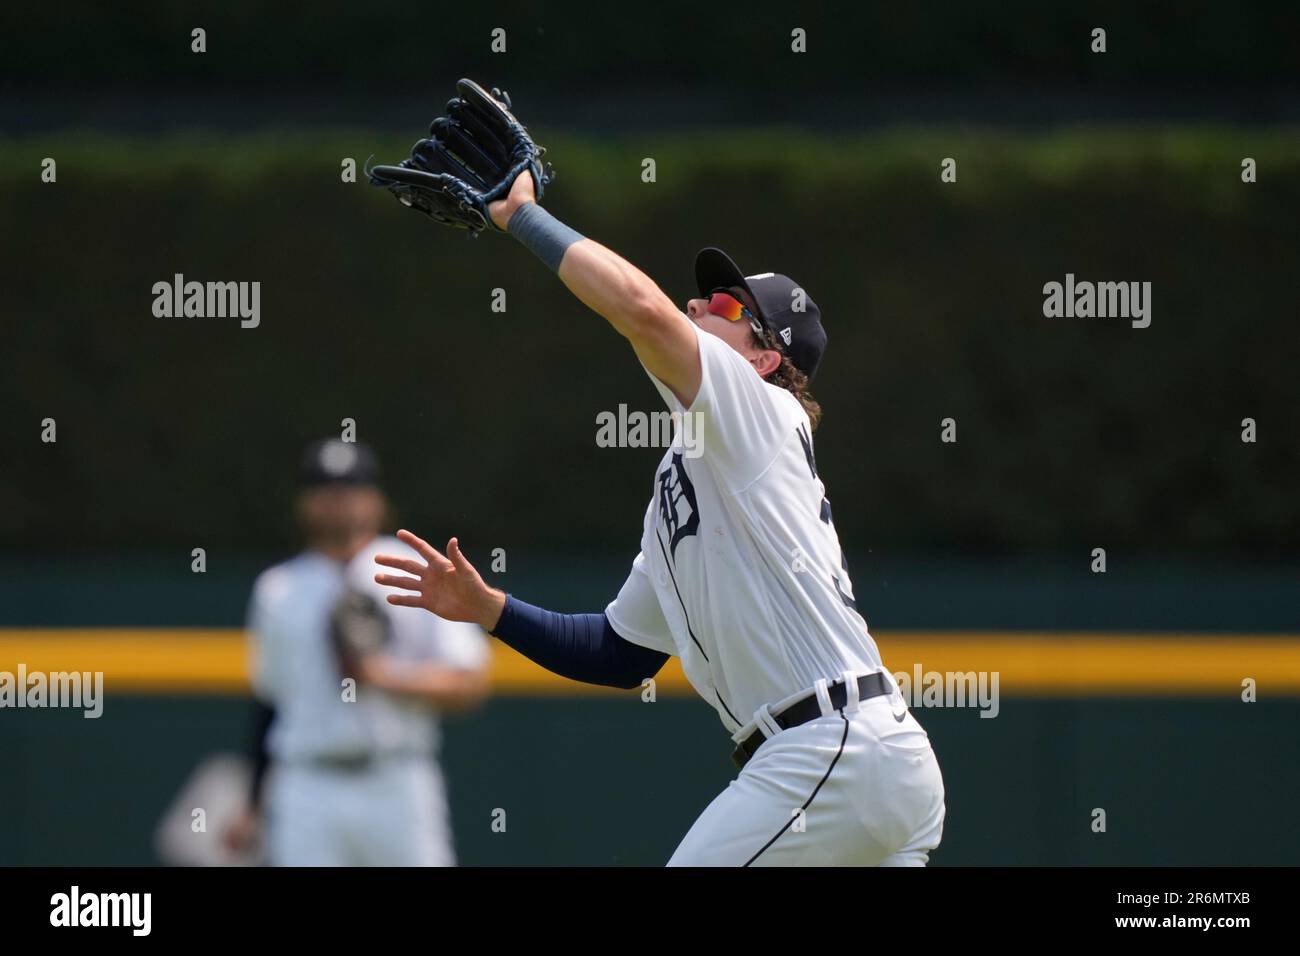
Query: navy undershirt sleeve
582, 647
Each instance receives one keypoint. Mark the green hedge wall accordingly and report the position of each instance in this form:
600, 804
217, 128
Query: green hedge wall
1071, 432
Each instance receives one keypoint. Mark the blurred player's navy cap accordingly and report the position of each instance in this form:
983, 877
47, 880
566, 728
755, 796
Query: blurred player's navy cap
783, 306
332, 460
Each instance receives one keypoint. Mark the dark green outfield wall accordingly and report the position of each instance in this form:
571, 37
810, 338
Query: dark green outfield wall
1033, 592
616, 781
619, 782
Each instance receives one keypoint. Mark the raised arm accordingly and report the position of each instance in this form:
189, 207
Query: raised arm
610, 286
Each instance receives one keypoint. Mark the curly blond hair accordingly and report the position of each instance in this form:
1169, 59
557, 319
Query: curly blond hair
795, 382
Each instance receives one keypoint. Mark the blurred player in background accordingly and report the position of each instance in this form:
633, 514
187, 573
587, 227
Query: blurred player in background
351, 739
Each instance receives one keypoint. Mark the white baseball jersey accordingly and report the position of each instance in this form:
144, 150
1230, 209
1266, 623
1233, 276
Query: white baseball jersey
294, 668
740, 572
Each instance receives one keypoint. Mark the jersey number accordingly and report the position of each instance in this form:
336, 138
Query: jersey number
845, 589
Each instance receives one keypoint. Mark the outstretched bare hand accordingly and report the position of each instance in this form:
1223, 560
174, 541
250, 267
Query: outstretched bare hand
447, 585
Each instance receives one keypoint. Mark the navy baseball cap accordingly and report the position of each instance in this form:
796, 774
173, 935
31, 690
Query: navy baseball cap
798, 332
333, 460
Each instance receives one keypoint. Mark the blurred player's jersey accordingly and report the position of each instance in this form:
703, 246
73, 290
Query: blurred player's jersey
740, 572
294, 668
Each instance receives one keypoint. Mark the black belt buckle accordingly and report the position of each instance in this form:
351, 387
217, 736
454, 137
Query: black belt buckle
739, 757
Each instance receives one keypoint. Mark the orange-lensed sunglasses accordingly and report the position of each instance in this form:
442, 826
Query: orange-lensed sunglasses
726, 305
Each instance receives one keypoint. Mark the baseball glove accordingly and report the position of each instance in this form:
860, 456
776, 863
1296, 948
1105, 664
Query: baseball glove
472, 156
359, 627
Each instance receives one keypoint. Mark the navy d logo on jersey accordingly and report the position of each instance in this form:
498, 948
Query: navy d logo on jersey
677, 509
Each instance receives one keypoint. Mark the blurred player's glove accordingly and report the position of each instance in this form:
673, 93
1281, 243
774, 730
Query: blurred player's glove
471, 158
359, 627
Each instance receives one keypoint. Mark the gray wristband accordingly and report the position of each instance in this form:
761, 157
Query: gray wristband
544, 235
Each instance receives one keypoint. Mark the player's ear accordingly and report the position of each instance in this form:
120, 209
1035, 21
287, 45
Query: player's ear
767, 362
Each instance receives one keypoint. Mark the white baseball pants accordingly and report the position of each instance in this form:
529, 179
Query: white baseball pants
393, 814
850, 788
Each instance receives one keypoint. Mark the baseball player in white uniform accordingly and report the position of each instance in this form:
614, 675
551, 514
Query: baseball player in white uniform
740, 574
354, 778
